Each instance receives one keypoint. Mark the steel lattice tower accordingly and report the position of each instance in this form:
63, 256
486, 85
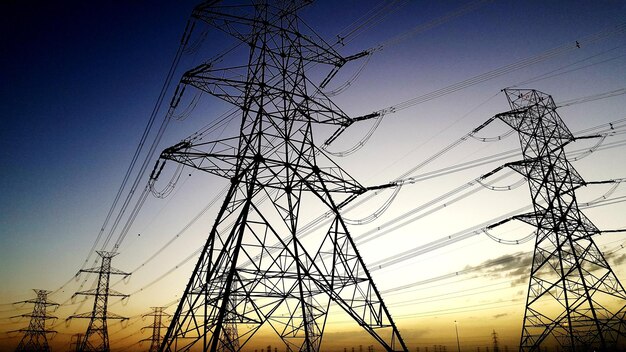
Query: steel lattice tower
35, 336
157, 325
574, 297
75, 341
97, 337
254, 270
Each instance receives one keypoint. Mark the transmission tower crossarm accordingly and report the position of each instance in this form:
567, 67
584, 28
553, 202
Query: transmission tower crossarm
602, 182
349, 123
230, 19
93, 292
226, 161
98, 270
339, 65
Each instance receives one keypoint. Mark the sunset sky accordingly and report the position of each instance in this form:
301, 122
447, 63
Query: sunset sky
80, 81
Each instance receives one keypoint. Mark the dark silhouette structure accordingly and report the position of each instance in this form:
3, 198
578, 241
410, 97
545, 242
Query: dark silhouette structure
574, 298
35, 336
255, 270
157, 325
97, 337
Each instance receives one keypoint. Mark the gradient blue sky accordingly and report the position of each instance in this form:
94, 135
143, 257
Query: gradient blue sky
79, 80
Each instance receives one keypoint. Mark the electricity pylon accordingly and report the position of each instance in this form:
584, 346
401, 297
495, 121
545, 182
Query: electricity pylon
75, 341
36, 335
157, 324
97, 337
574, 297
494, 337
255, 270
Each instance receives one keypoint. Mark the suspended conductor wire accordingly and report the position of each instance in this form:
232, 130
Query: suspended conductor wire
606, 127
551, 53
222, 122
512, 186
494, 138
144, 137
414, 214
464, 290
590, 150
482, 228
167, 190
360, 143
594, 97
189, 108
191, 256
602, 203
559, 71
345, 85
439, 243
501, 71
463, 10
131, 219
602, 198
369, 20
170, 271
509, 242
376, 214
197, 43
457, 274
179, 233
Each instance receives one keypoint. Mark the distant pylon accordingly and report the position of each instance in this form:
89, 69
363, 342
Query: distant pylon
35, 336
255, 271
574, 297
75, 341
494, 336
97, 337
157, 325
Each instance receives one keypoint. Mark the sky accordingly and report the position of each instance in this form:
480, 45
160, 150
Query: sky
80, 81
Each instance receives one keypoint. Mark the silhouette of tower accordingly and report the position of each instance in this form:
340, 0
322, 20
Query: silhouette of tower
35, 336
157, 325
574, 297
255, 271
75, 341
494, 336
97, 337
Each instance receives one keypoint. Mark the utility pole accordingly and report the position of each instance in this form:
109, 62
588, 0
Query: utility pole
574, 298
157, 325
35, 335
97, 337
255, 270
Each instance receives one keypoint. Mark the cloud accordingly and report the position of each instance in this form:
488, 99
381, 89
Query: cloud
616, 260
515, 266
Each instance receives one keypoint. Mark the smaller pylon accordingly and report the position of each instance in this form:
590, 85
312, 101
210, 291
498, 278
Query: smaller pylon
35, 336
157, 325
97, 337
75, 342
494, 336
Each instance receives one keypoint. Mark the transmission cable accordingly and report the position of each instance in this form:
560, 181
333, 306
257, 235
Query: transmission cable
151, 120
594, 97
559, 71
557, 51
